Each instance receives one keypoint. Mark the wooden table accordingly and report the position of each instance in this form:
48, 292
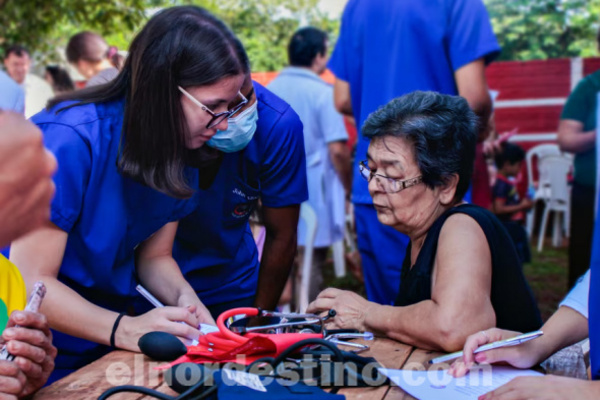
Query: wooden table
122, 367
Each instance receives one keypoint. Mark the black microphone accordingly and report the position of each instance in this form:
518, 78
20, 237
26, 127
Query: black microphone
162, 346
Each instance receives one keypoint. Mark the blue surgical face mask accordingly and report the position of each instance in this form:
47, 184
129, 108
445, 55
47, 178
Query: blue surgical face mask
240, 130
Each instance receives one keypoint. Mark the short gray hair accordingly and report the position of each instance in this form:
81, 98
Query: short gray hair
442, 130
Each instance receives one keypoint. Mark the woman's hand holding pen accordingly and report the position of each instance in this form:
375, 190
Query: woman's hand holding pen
165, 319
522, 356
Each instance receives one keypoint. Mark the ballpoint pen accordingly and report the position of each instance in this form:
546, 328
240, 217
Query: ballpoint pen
501, 343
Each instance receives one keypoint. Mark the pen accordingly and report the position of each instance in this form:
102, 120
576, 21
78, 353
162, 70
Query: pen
148, 296
156, 303
501, 343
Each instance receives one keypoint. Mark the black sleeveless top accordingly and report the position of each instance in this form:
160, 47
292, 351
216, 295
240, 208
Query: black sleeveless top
511, 296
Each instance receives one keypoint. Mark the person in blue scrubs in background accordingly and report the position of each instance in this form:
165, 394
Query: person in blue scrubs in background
125, 151
260, 156
389, 48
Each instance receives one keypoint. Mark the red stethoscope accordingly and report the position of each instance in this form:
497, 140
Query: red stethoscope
236, 342
229, 336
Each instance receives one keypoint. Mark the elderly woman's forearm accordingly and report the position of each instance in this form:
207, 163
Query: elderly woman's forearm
425, 325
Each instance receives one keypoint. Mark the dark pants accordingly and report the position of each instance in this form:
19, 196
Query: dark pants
582, 229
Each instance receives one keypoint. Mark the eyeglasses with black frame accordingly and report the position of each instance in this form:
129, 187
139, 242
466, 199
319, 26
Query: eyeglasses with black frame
387, 184
218, 117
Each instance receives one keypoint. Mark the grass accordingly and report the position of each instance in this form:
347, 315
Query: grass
547, 276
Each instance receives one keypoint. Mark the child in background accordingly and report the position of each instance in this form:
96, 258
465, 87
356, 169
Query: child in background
506, 203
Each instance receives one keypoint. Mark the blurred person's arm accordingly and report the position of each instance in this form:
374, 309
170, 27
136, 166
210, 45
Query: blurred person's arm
472, 85
579, 107
333, 128
500, 207
278, 254
26, 170
342, 98
573, 139
341, 160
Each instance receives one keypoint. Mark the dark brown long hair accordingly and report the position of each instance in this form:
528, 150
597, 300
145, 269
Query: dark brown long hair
185, 46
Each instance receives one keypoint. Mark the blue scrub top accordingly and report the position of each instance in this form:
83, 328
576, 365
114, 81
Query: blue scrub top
105, 214
390, 48
214, 246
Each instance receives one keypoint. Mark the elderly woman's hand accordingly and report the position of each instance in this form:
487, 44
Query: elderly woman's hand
351, 309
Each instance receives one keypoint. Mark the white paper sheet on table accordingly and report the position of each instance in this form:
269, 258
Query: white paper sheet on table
438, 385
206, 328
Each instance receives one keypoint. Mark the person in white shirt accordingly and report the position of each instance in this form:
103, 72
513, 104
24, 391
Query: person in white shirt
12, 96
327, 156
17, 62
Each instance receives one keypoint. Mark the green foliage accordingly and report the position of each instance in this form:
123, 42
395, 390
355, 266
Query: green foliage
540, 29
41, 25
264, 26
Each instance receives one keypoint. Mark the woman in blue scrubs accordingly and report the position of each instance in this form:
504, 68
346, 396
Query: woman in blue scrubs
125, 151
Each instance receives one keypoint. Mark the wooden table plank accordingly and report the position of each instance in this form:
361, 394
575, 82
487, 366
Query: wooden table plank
390, 354
116, 368
126, 368
418, 359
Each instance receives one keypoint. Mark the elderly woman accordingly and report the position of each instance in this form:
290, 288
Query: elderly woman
461, 273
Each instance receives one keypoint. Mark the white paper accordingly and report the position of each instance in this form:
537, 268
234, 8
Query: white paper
242, 378
437, 384
206, 328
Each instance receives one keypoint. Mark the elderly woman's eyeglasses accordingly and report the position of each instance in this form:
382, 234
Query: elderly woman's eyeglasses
219, 117
387, 184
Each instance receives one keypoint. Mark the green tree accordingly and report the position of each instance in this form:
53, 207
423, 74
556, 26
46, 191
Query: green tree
40, 25
264, 26
540, 29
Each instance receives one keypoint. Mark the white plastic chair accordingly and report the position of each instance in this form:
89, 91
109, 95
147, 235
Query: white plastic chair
555, 170
543, 188
339, 262
339, 248
309, 218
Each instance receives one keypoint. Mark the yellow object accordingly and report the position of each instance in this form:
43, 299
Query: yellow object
13, 294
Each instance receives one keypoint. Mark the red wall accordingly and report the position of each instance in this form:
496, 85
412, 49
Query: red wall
515, 80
